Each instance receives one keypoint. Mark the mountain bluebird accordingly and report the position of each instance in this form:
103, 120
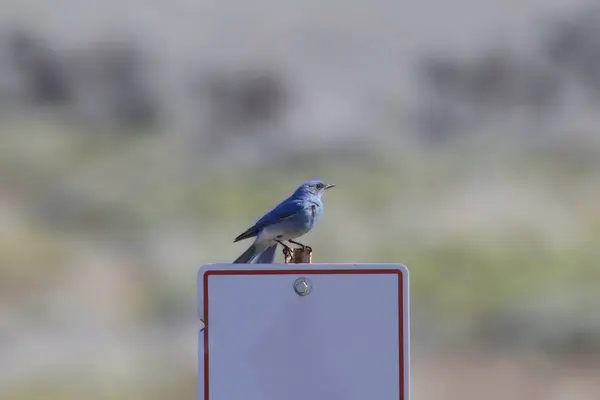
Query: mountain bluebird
291, 219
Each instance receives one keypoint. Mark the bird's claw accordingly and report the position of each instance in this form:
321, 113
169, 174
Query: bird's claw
302, 246
298, 255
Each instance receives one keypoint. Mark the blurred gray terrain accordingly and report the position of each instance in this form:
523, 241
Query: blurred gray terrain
138, 138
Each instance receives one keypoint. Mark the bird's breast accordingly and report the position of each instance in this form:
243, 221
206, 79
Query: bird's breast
314, 212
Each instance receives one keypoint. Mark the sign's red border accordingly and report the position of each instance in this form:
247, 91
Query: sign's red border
207, 274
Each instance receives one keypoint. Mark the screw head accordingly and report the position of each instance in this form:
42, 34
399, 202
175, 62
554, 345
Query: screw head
302, 286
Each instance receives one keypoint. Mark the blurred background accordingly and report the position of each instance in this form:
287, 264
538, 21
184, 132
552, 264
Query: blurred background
138, 138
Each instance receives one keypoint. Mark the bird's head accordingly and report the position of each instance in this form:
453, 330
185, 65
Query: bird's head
315, 188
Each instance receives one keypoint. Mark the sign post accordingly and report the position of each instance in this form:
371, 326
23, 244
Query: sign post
303, 331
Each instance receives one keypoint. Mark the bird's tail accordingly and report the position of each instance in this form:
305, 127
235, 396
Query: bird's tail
250, 253
267, 256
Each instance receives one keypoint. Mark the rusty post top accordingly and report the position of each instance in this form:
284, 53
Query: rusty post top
298, 256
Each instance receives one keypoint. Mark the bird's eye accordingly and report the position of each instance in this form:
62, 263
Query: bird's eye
320, 186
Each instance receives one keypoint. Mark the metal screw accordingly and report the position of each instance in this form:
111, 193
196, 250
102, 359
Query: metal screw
302, 286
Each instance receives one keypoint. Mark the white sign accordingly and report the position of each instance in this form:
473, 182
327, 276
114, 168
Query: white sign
303, 332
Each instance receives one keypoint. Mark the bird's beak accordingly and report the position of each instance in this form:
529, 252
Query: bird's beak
329, 186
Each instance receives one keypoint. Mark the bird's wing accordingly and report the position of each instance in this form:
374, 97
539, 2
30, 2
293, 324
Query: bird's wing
286, 209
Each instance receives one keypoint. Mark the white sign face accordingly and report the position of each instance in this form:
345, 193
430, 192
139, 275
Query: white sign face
303, 331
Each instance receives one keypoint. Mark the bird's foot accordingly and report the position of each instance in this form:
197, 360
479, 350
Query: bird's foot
286, 249
299, 244
287, 253
299, 255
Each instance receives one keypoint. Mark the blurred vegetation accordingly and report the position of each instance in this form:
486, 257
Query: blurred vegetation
113, 192
125, 217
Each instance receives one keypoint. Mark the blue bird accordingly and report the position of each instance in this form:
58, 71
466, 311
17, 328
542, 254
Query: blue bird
291, 219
